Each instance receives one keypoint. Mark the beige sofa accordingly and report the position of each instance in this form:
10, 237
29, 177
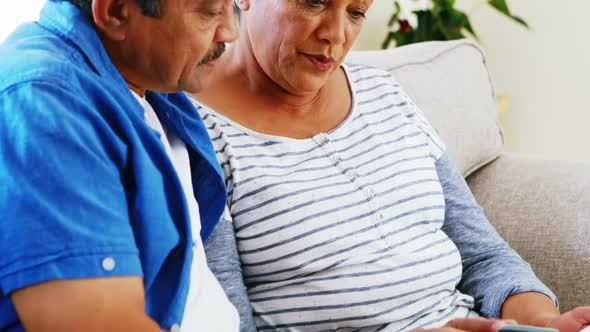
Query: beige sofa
541, 207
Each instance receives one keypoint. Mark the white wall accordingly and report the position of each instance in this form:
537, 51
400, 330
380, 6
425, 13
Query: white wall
545, 71
17, 12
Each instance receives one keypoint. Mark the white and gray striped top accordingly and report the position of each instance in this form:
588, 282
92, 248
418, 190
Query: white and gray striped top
343, 230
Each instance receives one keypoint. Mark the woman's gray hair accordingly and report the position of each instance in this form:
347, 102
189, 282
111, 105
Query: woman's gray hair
149, 7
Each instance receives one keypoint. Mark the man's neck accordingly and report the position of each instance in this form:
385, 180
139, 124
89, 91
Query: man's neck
114, 51
139, 91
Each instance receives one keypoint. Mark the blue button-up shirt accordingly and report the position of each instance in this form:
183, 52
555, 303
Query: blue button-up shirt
84, 182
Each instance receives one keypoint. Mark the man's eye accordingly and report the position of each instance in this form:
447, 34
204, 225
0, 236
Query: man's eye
214, 13
210, 9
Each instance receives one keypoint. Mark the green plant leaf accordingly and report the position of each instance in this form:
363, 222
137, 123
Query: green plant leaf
388, 39
442, 22
467, 26
520, 21
395, 14
502, 7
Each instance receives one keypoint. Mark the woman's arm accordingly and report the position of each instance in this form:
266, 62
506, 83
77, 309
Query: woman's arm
537, 309
530, 309
492, 271
224, 262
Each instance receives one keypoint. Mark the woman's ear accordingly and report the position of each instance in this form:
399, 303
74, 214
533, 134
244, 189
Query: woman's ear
111, 17
244, 5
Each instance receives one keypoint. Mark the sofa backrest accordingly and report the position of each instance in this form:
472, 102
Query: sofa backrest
450, 83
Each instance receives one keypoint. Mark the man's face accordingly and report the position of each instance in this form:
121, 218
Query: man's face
175, 51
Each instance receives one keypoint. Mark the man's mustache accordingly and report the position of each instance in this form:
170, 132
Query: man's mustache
214, 54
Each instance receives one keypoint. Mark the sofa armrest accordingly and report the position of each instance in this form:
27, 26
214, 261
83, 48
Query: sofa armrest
542, 208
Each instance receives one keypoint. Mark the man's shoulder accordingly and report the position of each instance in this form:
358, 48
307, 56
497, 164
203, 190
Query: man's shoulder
47, 82
32, 54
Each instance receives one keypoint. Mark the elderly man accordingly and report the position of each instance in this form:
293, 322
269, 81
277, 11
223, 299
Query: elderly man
108, 182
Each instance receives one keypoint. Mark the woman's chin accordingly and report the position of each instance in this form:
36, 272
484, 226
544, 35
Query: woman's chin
310, 81
307, 85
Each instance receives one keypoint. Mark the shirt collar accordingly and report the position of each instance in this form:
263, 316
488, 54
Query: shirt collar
68, 22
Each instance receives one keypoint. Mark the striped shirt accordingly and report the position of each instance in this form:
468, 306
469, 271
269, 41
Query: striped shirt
343, 230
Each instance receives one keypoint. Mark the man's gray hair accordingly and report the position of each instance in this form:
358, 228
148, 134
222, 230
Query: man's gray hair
236, 9
149, 7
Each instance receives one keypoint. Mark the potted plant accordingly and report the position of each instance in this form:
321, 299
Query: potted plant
416, 21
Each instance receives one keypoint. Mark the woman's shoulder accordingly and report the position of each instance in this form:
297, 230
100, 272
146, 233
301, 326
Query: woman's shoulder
379, 97
369, 82
208, 114
216, 124
363, 74
374, 88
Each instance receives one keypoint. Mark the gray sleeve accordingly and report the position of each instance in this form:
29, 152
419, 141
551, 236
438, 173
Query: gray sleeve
492, 271
224, 262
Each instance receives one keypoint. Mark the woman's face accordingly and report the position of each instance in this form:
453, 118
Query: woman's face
300, 43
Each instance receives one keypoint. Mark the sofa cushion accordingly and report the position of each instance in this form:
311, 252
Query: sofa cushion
543, 212
450, 83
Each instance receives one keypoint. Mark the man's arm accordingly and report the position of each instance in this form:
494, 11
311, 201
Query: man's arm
63, 212
100, 304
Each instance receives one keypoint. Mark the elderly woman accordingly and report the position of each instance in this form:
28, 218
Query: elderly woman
345, 207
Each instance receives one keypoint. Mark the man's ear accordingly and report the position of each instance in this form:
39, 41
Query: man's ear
244, 5
111, 17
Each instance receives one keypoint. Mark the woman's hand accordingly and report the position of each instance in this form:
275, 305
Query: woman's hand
572, 321
471, 325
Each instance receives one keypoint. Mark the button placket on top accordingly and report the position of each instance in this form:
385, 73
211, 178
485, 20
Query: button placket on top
323, 140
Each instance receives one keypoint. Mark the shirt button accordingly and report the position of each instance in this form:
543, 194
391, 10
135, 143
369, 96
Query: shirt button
175, 328
380, 217
370, 192
325, 140
108, 264
353, 175
336, 158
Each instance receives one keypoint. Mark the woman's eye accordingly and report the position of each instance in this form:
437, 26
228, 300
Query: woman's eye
315, 3
357, 14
